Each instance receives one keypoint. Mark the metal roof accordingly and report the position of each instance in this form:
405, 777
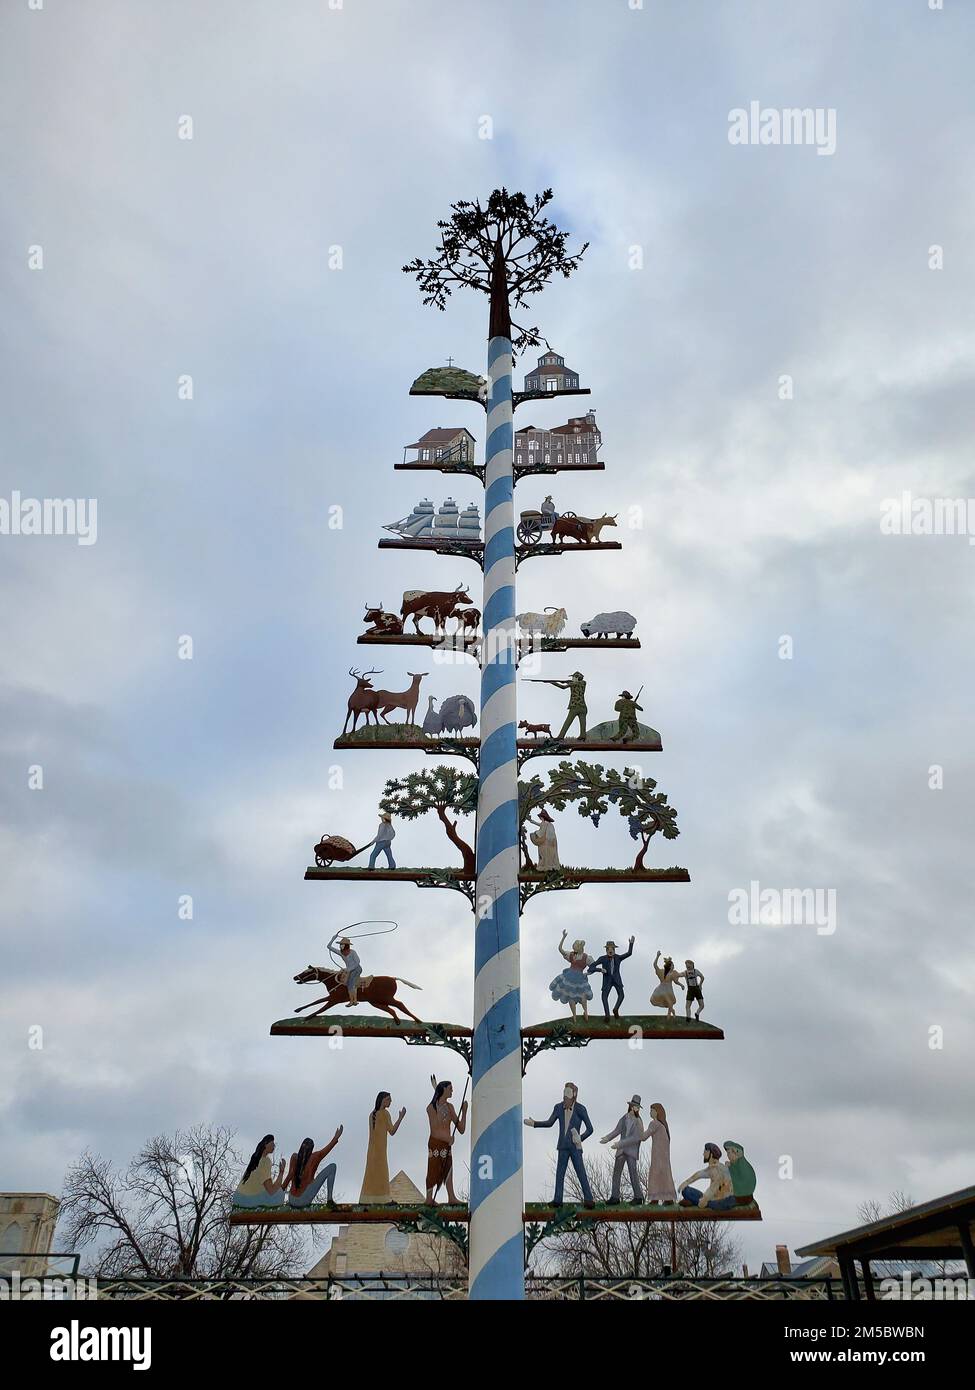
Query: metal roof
933, 1226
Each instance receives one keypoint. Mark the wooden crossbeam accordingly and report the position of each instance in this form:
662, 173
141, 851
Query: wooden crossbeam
441, 745
361, 1026
648, 1025
456, 644
572, 876
350, 1214
626, 1211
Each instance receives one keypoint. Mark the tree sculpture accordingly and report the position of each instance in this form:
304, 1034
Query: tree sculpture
593, 789
505, 249
439, 789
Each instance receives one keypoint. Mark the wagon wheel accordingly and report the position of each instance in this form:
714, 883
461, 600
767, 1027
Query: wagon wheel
530, 531
322, 862
567, 513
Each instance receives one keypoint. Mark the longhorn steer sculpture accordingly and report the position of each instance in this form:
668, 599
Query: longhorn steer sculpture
436, 604
381, 622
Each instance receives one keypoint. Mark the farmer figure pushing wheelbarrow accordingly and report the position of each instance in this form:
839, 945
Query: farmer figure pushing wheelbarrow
383, 843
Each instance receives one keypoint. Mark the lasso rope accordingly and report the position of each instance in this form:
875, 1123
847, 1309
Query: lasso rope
361, 936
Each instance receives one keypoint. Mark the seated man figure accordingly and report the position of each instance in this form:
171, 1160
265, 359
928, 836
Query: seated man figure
719, 1195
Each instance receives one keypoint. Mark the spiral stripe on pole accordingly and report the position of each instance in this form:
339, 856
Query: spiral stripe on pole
497, 1259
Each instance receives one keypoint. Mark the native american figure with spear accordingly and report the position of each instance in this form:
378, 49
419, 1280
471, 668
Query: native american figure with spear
444, 1121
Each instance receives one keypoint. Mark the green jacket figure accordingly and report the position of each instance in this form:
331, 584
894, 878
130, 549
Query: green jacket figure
629, 725
576, 686
743, 1177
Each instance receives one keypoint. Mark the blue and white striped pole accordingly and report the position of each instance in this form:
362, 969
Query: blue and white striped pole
497, 1260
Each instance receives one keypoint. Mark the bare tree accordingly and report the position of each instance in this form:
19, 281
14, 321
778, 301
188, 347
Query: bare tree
636, 1249
505, 249
166, 1215
871, 1210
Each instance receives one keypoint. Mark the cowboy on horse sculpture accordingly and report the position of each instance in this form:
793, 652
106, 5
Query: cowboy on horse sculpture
346, 983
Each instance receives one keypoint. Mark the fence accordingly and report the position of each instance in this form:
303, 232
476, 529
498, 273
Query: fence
445, 1288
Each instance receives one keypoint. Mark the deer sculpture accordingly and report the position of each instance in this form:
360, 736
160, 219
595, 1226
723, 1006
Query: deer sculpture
406, 700
363, 699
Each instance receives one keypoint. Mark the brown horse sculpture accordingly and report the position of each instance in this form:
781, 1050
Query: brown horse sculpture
377, 990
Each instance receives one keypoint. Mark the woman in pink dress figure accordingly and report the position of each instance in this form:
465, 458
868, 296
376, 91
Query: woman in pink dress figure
660, 1183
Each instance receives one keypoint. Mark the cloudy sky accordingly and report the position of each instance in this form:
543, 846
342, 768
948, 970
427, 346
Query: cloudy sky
315, 128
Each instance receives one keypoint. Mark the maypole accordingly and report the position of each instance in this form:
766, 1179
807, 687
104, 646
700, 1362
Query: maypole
497, 1188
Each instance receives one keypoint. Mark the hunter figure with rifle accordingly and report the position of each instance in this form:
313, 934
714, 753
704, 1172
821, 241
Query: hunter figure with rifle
576, 686
629, 725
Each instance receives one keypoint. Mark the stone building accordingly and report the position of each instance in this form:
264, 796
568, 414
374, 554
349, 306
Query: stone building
27, 1222
367, 1248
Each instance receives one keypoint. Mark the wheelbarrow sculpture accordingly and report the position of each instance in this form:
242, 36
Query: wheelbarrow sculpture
335, 849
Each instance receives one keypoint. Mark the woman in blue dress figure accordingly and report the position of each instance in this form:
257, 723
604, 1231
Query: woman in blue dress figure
572, 986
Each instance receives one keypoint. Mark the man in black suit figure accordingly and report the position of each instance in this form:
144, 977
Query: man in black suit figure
609, 964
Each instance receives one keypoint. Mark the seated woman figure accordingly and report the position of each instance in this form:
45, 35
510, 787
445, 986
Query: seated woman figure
304, 1177
259, 1187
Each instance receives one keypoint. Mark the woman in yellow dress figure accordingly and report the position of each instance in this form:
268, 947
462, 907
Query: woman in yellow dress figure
375, 1183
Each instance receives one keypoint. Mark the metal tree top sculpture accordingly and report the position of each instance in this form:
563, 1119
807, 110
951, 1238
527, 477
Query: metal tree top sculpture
504, 249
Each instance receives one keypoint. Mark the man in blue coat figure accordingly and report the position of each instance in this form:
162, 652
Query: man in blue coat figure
575, 1128
609, 964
